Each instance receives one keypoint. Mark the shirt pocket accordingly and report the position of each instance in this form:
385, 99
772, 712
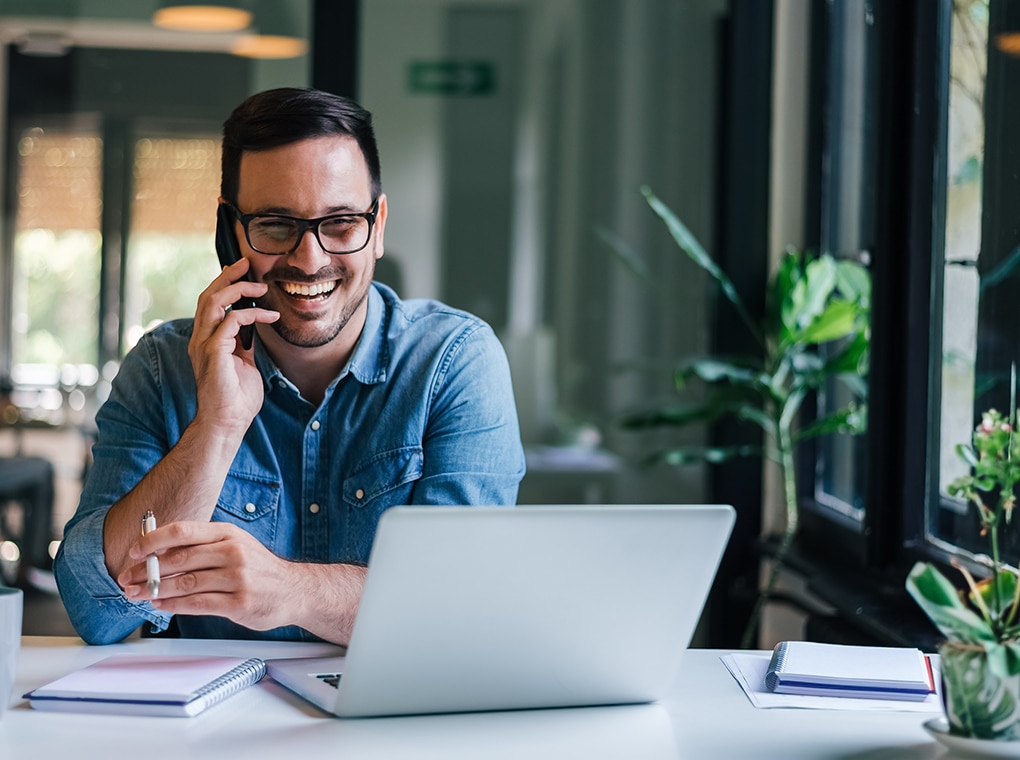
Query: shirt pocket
386, 480
250, 503
382, 475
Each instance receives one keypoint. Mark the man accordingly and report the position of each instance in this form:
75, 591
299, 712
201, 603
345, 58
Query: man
267, 468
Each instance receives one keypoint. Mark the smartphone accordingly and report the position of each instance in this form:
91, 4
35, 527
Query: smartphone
228, 252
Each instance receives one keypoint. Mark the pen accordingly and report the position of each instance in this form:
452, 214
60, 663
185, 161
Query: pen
151, 562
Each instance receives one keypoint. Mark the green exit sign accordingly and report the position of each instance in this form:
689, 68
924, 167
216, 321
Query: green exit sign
451, 77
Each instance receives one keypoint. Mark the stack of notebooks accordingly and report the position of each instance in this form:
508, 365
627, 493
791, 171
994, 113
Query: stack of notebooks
834, 670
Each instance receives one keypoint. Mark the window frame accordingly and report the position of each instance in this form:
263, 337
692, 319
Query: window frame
911, 123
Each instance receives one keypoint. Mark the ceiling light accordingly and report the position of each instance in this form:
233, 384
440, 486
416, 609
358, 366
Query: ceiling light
282, 32
269, 46
1008, 43
230, 17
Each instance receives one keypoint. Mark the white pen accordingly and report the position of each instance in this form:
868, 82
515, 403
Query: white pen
152, 561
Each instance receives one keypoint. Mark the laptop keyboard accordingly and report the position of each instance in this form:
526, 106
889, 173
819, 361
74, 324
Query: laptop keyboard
332, 679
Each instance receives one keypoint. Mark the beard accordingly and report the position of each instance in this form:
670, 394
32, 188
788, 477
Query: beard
306, 336
303, 333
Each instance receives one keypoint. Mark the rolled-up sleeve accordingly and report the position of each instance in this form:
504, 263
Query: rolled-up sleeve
132, 438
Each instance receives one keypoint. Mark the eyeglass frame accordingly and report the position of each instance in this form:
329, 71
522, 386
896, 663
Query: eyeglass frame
304, 225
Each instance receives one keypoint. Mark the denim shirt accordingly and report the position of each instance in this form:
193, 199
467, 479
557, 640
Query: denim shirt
422, 414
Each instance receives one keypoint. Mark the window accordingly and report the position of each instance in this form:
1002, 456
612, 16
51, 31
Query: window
176, 183
57, 243
938, 216
980, 272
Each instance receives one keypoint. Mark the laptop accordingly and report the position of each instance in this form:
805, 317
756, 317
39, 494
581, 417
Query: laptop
506, 608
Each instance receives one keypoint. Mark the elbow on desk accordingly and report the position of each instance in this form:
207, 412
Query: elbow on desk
95, 620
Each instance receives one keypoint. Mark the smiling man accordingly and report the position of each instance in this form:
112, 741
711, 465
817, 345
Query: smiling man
267, 468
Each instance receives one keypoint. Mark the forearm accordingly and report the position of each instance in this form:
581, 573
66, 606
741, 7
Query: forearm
327, 598
184, 485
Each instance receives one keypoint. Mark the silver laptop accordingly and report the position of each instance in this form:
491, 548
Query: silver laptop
501, 608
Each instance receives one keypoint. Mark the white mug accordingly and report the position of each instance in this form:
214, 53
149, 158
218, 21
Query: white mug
11, 605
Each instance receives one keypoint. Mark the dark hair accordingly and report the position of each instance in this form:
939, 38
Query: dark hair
286, 115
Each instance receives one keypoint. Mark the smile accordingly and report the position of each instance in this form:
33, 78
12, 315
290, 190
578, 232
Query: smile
308, 290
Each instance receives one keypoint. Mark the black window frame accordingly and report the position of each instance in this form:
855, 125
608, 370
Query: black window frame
859, 568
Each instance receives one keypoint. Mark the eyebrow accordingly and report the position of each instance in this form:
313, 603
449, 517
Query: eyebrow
284, 211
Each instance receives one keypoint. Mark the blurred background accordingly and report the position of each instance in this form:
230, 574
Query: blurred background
515, 136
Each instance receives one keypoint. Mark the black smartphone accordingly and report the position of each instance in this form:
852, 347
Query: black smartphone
228, 252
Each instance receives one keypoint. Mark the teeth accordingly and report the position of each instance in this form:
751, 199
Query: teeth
315, 289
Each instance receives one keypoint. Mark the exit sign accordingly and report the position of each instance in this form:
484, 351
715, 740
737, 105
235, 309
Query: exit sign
451, 77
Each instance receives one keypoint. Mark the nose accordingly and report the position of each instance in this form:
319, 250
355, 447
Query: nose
309, 256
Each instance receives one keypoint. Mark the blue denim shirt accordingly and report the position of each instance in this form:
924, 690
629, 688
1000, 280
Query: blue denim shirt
422, 414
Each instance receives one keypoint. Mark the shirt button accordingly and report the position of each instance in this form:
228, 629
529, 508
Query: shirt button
282, 384
360, 493
249, 507
313, 508
315, 425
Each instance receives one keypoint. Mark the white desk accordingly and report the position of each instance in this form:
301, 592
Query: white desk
707, 717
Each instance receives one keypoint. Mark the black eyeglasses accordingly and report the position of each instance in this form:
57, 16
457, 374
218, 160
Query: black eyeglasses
277, 235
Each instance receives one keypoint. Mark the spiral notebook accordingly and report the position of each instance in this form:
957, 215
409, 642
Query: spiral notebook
870, 672
169, 685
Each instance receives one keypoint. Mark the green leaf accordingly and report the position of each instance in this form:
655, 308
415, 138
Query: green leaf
846, 420
716, 370
814, 291
853, 282
850, 357
1000, 599
780, 296
1002, 271
837, 320
942, 604
690, 245
711, 454
628, 257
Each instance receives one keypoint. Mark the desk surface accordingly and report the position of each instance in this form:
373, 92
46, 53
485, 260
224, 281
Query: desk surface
707, 716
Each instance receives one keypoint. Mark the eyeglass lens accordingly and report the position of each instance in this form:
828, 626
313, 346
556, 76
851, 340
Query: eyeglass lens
338, 234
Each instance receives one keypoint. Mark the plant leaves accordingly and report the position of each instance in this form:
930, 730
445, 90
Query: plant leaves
717, 370
851, 357
837, 320
847, 420
814, 290
853, 282
628, 257
942, 604
690, 245
711, 454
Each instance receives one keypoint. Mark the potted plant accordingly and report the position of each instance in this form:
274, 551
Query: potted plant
816, 330
980, 657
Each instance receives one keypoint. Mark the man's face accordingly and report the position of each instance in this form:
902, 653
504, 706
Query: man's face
318, 294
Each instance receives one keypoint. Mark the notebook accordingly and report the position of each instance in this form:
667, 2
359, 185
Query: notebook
819, 669
474, 609
168, 685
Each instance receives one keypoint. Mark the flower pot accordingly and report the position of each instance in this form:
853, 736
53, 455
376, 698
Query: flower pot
979, 702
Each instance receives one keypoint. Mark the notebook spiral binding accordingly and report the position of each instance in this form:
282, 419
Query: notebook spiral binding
775, 666
244, 675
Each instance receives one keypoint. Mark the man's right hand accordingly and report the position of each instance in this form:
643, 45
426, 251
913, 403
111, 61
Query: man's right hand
229, 384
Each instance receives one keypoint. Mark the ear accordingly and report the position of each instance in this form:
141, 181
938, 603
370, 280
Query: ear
379, 229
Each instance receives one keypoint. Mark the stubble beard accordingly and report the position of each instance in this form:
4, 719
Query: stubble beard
311, 338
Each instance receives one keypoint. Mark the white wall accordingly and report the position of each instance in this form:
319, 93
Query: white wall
409, 133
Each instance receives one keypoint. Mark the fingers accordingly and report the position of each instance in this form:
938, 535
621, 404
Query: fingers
215, 315
205, 568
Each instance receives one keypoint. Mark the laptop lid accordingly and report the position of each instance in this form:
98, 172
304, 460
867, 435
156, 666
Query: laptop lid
471, 609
